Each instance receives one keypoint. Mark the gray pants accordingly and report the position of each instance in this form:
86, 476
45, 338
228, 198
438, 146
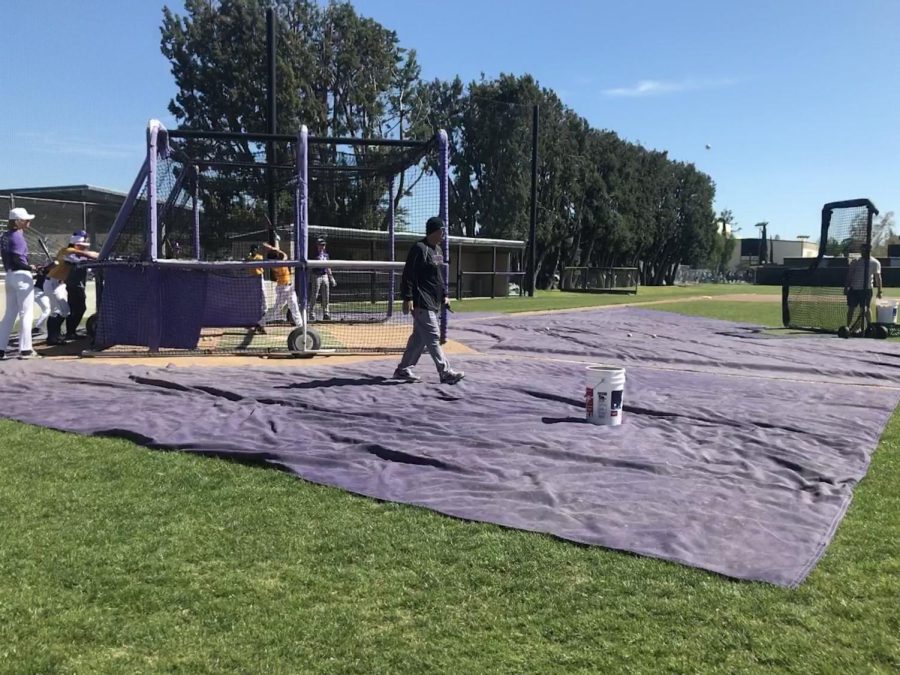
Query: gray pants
323, 286
426, 335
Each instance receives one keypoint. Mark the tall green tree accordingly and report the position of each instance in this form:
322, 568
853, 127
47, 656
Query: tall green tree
337, 72
601, 200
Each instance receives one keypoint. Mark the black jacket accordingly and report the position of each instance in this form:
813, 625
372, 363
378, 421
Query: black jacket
423, 276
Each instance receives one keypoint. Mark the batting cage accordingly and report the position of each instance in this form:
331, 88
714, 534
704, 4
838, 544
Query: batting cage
817, 298
264, 243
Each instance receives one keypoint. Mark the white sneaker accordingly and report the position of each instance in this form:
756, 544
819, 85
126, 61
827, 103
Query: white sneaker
452, 376
406, 375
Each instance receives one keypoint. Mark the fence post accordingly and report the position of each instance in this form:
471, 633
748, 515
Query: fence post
493, 272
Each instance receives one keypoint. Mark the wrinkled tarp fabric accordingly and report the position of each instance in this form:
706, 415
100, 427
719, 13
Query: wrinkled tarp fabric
724, 462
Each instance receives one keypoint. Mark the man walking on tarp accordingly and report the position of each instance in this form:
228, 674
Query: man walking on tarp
422, 286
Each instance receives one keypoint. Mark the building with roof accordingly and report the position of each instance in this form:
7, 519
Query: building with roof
478, 267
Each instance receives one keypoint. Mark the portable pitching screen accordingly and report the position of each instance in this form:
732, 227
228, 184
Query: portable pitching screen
814, 298
213, 251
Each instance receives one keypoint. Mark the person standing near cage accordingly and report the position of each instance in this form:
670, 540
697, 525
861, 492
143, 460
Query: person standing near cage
55, 286
859, 289
76, 283
285, 295
254, 255
422, 286
41, 299
19, 283
325, 281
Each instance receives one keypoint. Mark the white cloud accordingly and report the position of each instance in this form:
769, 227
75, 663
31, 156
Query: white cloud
50, 143
659, 87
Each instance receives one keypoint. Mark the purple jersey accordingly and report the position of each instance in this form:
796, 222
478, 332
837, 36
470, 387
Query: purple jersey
14, 250
323, 255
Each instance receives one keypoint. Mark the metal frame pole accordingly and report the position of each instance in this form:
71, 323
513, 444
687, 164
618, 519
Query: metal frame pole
391, 246
444, 213
271, 123
301, 224
532, 263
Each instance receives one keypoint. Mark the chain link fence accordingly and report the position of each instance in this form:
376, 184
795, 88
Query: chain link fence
57, 219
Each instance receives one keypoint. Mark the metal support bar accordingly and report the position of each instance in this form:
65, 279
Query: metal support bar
532, 233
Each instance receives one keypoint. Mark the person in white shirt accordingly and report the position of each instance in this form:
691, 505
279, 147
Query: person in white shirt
858, 288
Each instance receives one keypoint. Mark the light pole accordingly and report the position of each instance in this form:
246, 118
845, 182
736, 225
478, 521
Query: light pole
763, 243
802, 238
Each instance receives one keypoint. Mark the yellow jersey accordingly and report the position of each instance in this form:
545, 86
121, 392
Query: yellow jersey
257, 271
282, 275
62, 267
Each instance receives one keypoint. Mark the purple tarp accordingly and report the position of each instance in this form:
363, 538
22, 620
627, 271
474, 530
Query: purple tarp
723, 461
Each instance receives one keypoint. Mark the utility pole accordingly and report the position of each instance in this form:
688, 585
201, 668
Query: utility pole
532, 233
271, 123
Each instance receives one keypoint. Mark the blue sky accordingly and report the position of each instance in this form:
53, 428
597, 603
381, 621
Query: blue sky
798, 99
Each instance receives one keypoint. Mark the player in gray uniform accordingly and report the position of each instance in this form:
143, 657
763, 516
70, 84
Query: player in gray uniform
325, 281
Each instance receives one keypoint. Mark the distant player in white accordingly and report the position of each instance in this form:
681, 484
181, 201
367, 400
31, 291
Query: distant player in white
858, 288
324, 283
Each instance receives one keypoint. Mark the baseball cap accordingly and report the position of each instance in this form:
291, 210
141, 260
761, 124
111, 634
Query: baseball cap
20, 214
78, 240
434, 223
320, 240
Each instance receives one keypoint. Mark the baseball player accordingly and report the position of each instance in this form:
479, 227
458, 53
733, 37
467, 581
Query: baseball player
76, 285
55, 286
325, 281
19, 283
285, 295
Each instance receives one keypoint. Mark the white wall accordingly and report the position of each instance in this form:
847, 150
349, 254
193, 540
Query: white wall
779, 249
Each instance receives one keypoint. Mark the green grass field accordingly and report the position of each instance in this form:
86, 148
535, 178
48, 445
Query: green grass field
118, 559
544, 300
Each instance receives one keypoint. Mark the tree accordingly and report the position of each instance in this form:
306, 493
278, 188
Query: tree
601, 201
724, 243
338, 73
883, 234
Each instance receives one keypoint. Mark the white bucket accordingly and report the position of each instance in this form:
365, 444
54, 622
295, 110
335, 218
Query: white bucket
886, 311
604, 390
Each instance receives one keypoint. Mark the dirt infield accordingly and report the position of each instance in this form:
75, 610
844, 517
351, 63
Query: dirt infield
250, 361
731, 297
744, 297
72, 351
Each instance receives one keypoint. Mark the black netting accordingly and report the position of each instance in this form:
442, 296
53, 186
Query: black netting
56, 220
816, 298
214, 201
846, 231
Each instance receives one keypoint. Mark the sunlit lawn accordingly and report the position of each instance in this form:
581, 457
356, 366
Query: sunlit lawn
118, 559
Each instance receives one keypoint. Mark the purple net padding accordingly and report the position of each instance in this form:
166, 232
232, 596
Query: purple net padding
182, 292
744, 472
150, 307
166, 308
233, 300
